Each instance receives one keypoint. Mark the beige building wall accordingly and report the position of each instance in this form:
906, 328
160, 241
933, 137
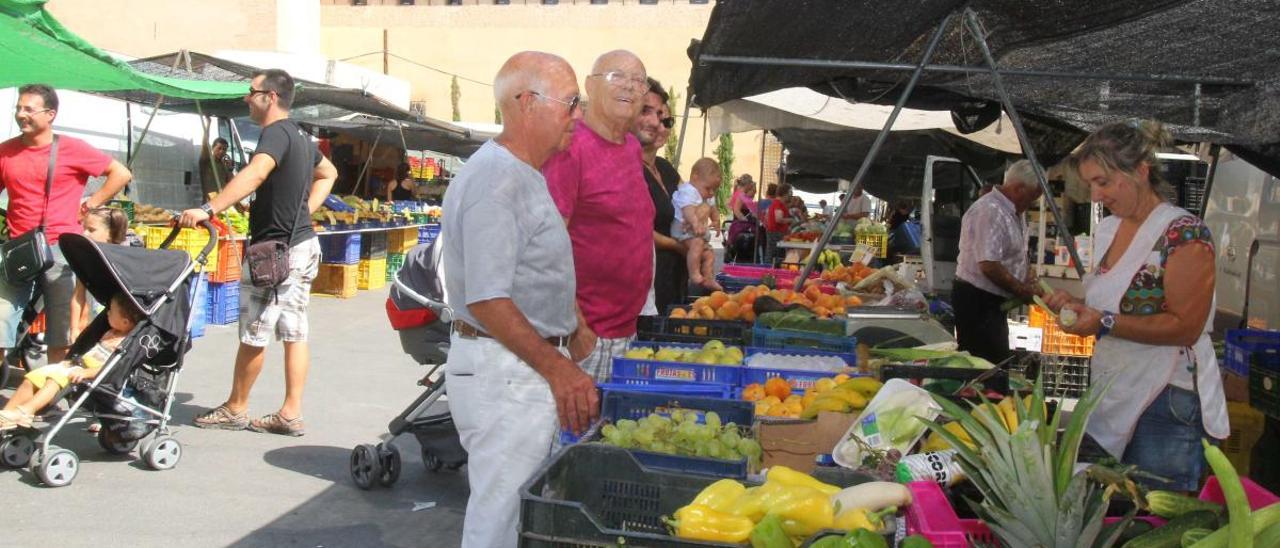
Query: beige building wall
142, 28
473, 41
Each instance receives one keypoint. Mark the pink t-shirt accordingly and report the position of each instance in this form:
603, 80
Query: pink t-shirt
23, 170
599, 187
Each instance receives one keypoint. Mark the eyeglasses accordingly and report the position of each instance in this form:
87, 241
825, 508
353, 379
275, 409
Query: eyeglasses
253, 92
573, 103
29, 112
621, 79
668, 122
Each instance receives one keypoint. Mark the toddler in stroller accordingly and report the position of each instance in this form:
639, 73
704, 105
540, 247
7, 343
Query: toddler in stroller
41, 386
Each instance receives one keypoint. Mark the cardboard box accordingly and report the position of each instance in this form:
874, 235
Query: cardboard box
1235, 387
795, 444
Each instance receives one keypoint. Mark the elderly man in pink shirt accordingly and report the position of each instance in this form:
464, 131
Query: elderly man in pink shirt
598, 185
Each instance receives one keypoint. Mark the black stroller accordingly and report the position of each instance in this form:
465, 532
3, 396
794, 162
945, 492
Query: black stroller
132, 394
417, 310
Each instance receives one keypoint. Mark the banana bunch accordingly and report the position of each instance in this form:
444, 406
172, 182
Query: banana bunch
847, 397
829, 259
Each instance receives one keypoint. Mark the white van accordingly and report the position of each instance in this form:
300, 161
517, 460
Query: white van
1243, 214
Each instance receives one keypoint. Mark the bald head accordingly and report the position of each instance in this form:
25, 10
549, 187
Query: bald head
616, 60
527, 71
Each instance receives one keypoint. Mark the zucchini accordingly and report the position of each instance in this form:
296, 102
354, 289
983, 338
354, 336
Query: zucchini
1169, 505
1260, 521
1192, 536
1269, 536
1170, 536
1238, 511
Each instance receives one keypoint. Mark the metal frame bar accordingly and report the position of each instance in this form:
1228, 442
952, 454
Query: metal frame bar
958, 69
684, 125
830, 229
997, 81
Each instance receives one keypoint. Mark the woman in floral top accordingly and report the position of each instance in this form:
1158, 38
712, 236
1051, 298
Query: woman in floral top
1149, 302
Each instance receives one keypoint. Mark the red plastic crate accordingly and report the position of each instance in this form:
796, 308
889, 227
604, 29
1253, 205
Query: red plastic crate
230, 254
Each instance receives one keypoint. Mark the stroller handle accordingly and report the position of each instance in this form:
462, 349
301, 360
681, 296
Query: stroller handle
208, 246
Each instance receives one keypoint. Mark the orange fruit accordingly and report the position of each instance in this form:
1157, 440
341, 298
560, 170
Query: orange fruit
753, 392
748, 314
852, 301
702, 301
717, 299
679, 313
777, 387
777, 410
729, 311
821, 311
707, 313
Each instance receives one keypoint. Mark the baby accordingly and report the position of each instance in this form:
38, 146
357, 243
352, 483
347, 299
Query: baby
37, 390
695, 214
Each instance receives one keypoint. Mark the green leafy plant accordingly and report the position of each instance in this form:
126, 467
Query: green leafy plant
1032, 493
455, 94
724, 155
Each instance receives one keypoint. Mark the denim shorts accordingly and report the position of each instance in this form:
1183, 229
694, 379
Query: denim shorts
1166, 441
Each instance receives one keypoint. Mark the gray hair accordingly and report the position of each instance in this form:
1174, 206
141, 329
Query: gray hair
1020, 173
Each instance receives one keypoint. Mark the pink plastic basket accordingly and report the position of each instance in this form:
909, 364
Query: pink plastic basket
759, 272
931, 515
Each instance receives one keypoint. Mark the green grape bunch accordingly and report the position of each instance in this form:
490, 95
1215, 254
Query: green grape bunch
680, 432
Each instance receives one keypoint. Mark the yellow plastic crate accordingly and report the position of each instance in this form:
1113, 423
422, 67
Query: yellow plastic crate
879, 243
1055, 340
401, 240
372, 274
338, 280
189, 239
1247, 425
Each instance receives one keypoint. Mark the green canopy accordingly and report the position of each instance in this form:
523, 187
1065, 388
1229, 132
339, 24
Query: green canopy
36, 48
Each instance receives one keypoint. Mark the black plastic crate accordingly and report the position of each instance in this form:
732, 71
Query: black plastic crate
373, 245
1264, 388
1064, 376
686, 330
998, 381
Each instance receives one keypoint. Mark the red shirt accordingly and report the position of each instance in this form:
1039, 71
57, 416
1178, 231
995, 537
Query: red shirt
772, 225
23, 170
599, 187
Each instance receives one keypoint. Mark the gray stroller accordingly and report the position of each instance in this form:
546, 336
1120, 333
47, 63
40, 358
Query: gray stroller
417, 311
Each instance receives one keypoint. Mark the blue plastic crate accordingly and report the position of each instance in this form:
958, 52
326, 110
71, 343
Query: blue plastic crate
1244, 345
734, 284
224, 303
618, 405
199, 304
428, 233
707, 390
765, 337
675, 371
800, 380
340, 248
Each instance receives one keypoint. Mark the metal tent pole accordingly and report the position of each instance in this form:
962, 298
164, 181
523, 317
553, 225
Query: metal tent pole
360, 180
684, 125
975, 28
830, 229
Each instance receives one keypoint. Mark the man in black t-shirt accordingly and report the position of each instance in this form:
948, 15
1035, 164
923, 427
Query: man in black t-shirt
291, 179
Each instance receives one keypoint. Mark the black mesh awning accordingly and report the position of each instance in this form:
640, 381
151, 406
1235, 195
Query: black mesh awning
1231, 47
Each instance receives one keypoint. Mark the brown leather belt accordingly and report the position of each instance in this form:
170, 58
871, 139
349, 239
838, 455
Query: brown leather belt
468, 331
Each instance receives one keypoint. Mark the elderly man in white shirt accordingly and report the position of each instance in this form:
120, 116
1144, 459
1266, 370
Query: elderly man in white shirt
993, 264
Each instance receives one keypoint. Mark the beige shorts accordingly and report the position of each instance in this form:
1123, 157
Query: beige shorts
280, 310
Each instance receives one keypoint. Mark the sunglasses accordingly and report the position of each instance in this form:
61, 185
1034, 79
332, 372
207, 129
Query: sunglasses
668, 122
253, 92
573, 103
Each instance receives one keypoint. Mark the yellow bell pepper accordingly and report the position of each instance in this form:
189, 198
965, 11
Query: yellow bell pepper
853, 519
803, 510
698, 522
788, 476
721, 496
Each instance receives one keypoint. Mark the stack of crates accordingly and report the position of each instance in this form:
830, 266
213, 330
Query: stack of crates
401, 240
428, 233
1247, 425
191, 240
373, 245
199, 304
223, 303
230, 254
372, 274
394, 262
1055, 341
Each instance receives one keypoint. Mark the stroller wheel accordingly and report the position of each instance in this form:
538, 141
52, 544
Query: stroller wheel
390, 464
163, 453
57, 467
431, 462
16, 450
111, 443
366, 466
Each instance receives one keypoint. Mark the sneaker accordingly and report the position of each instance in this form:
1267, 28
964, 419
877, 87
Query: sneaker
275, 424
221, 418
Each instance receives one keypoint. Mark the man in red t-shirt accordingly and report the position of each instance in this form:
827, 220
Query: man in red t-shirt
777, 222
598, 185
24, 166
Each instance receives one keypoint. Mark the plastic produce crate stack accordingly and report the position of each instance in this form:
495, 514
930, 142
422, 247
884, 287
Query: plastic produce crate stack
1055, 341
340, 249
800, 380
1064, 376
688, 330
879, 243
189, 239
1243, 344
373, 245
394, 262
427, 234
372, 274
1247, 425
223, 303
230, 255
337, 280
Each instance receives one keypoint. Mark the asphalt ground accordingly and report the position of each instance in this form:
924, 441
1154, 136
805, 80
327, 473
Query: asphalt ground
247, 489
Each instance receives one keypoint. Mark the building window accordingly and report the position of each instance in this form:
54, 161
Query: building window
406, 2
454, 2
501, 2
599, 1
550, 2
654, 2
697, 1
359, 2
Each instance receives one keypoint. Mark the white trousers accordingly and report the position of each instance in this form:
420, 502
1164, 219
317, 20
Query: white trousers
506, 418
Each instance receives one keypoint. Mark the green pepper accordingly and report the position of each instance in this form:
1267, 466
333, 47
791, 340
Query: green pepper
769, 534
915, 541
831, 541
863, 538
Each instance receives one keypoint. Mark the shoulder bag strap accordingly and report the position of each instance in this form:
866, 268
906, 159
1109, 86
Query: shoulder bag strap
48, 179
306, 197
